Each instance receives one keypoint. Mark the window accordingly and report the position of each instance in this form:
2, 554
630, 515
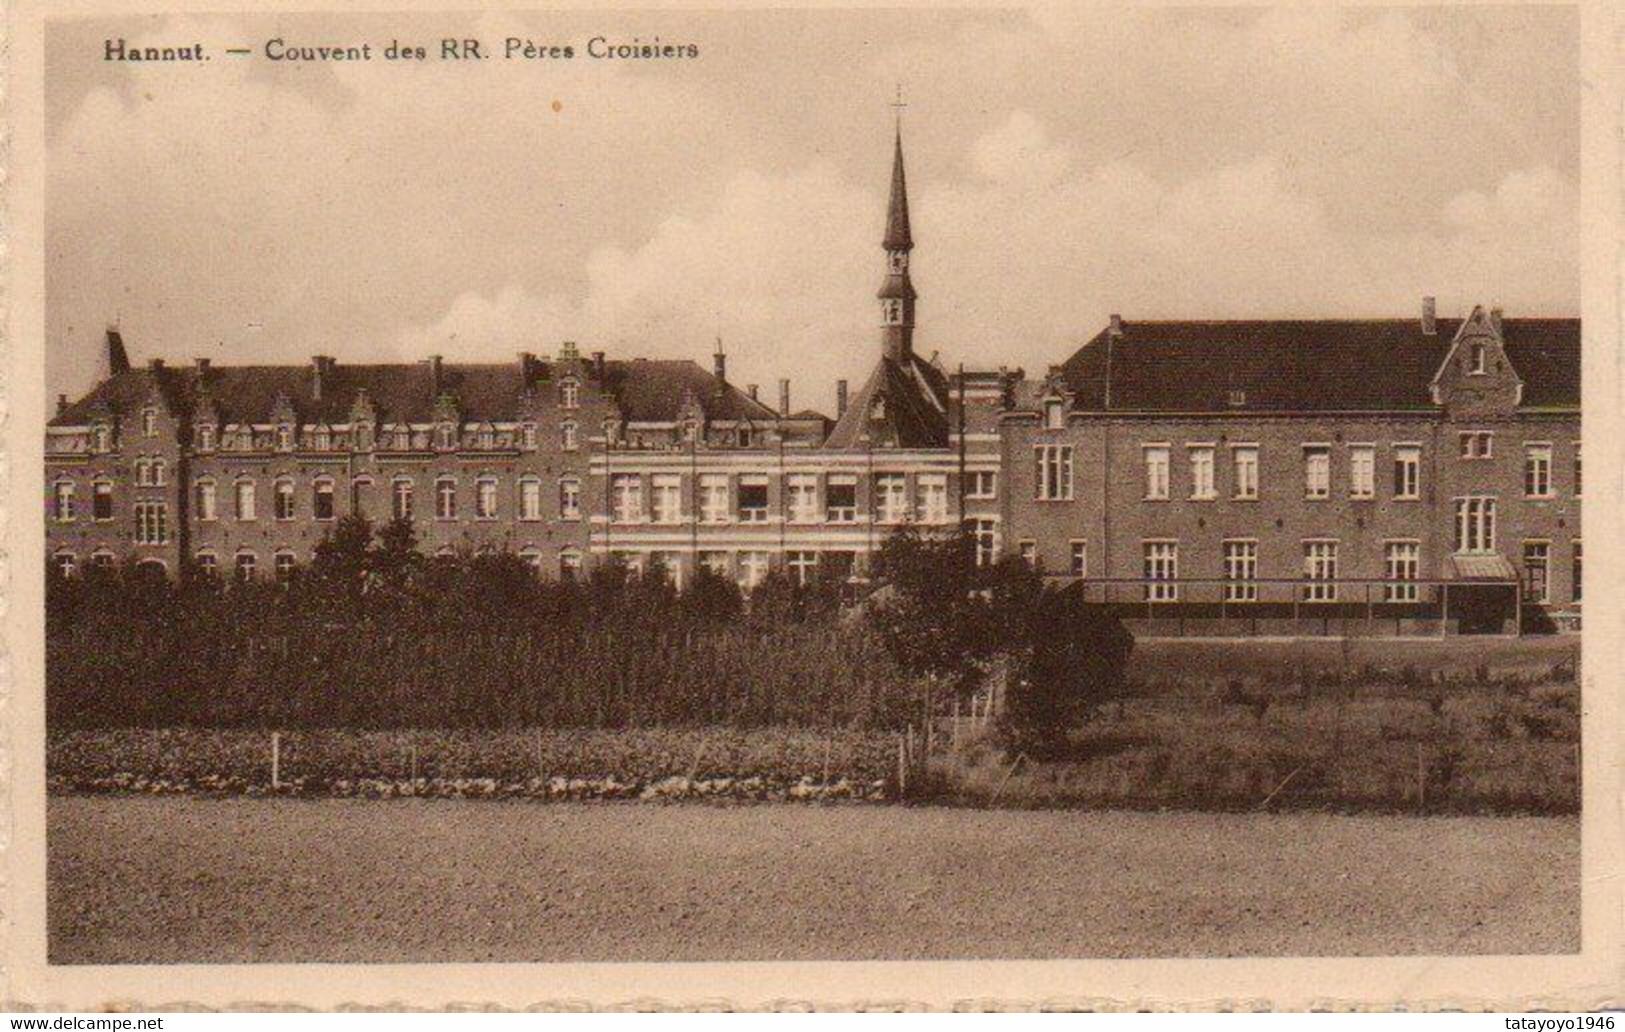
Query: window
205, 437
243, 499
1317, 471
897, 261
446, 436
322, 498
569, 499
1407, 471
1054, 414
1362, 471
532, 558
803, 567
143, 473
282, 566
1537, 471
445, 499
1403, 560
243, 569
101, 559
284, 437
363, 437
666, 497
63, 563
1203, 487
151, 523
569, 565
714, 497
1577, 477
569, 439
1161, 571
891, 311
1320, 570
1028, 550
1477, 444
1078, 559
1536, 571
101, 500
1245, 460
716, 563
400, 496
985, 535
62, 501
360, 489
841, 498
626, 498
753, 498
932, 491
530, 500
282, 508
208, 564
1156, 472
485, 498
101, 437
803, 492
149, 422
742, 436
527, 441
1241, 571
891, 497
204, 500
1478, 358
1577, 581
983, 483
1475, 525
160, 473
1053, 482
753, 567
322, 438
569, 394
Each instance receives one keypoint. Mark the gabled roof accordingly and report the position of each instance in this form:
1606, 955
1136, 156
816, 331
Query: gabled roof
651, 390
914, 413
1305, 366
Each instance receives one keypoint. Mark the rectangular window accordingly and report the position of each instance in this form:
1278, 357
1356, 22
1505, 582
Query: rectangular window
485, 498
1403, 561
1578, 581
151, 523
1407, 471
666, 497
244, 490
322, 500
1477, 444
753, 568
1362, 471
1054, 474
1162, 571
62, 501
1317, 471
1156, 472
282, 494
932, 489
891, 497
626, 498
400, 496
530, 500
282, 567
841, 498
717, 563
753, 498
445, 499
803, 497
1537, 471
1537, 557
803, 567
1320, 570
204, 500
243, 567
982, 484
1245, 458
1203, 486
714, 497
1078, 559
570, 499
101, 500
985, 535
1241, 571
1475, 525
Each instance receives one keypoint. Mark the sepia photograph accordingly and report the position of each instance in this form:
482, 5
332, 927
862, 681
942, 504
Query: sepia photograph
666, 487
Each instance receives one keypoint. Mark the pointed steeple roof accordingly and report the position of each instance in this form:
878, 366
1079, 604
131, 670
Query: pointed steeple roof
898, 237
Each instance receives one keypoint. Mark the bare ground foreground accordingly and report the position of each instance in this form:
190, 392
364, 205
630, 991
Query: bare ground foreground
161, 880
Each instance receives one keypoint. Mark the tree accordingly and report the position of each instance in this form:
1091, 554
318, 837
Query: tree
1068, 655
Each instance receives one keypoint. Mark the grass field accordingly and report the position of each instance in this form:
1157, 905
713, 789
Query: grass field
173, 880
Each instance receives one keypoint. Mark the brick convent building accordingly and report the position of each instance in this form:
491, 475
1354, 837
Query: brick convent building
1368, 476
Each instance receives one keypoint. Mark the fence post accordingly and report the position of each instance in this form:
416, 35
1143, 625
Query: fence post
412, 757
902, 767
276, 760
1421, 779
540, 772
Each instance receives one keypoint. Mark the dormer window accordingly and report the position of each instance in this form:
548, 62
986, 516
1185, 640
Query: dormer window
446, 436
527, 436
363, 437
898, 262
149, 422
323, 438
488, 438
1478, 358
205, 437
567, 435
891, 311
569, 394
1054, 414
284, 437
102, 438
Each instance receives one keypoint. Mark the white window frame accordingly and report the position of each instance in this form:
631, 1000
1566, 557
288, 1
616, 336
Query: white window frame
1317, 472
245, 500
445, 501
984, 484
754, 514
151, 522
841, 515
402, 498
284, 500
324, 485
666, 498
1244, 460
487, 492
1160, 566
1240, 558
1537, 470
1077, 557
891, 497
1475, 518
1545, 564
626, 499
1203, 459
1320, 560
1158, 471
1362, 471
530, 502
715, 502
62, 507
1402, 563
1407, 472
801, 497
570, 498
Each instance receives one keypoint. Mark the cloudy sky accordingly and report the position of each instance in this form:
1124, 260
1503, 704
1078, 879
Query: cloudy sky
1161, 164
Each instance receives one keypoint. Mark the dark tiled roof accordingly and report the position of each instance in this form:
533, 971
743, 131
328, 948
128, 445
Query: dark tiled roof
915, 394
652, 390
1306, 366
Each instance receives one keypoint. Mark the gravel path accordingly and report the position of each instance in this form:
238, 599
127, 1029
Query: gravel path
237, 880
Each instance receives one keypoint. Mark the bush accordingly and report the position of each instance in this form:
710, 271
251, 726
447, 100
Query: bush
1072, 656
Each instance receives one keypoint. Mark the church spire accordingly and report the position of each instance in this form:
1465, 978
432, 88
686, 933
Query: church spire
897, 292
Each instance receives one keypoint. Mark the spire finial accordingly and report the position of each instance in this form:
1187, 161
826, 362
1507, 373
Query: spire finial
897, 107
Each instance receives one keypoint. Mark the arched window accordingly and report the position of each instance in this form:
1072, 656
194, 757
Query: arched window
322, 498
1054, 414
1480, 357
65, 565
208, 564
400, 493
568, 435
532, 557
205, 437
322, 437
204, 503
444, 553
569, 565
446, 436
149, 422
487, 438
569, 394
102, 437
244, 567
445, 498
284, 437
284, 508
527, 436
530, 498
101, 559
143, 473
570, 498
485, 498
155, 569
101, 499
62, 501
160, 473
243, 491
283, 565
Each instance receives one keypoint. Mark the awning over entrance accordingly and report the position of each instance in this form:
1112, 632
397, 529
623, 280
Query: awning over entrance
1479, 568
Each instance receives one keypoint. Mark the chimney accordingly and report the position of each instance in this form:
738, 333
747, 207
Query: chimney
61, 404
321, 372
784, 397
720, 366
598, 364
1495, 320
1116, 329
155, 364
527, 368
751, 390
118, 360
436, 374
1430, 316
201, 367
840, 398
